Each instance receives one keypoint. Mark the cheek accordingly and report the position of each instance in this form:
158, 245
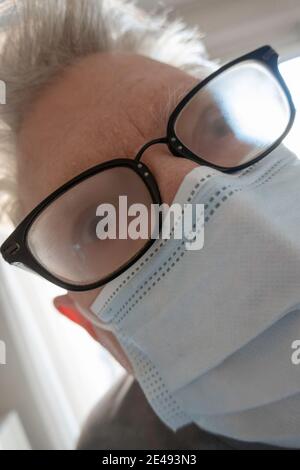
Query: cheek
84, 300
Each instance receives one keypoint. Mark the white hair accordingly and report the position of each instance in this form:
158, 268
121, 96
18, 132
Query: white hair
41, 37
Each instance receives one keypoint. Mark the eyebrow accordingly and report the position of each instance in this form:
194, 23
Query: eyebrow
175, 95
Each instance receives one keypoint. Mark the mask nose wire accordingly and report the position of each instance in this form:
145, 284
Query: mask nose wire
161, 140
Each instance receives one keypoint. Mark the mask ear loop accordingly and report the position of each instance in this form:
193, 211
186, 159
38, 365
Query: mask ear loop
161, 140
91, 317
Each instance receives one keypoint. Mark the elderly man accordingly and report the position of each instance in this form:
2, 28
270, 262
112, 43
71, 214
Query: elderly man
101, 98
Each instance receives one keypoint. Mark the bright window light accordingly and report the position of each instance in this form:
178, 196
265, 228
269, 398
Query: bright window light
290, 71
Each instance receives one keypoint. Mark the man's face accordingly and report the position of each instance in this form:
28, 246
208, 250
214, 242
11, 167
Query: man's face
105, 106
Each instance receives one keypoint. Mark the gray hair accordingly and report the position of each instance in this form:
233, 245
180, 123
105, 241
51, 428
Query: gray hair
41, 37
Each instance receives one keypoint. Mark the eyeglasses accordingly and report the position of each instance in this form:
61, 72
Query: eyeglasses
228, 121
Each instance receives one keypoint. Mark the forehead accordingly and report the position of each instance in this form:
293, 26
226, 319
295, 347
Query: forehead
103, 107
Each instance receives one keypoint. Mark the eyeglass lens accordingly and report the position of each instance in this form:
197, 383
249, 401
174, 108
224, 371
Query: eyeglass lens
238, 115
64, 240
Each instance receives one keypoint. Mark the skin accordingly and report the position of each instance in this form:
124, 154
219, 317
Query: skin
103, 107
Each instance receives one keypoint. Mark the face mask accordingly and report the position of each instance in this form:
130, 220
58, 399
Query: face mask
209, 332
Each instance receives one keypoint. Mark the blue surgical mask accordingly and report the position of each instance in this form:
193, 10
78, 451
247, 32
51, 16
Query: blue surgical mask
209, 332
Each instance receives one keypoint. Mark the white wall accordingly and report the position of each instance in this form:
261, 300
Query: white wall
233, 27
16, 393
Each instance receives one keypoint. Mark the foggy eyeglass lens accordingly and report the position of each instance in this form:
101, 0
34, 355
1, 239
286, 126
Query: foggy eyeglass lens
64, 240
235, 117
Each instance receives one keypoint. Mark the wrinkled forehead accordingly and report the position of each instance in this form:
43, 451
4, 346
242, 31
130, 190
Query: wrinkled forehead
103, 107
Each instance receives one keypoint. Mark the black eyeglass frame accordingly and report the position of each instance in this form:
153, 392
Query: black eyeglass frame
15, 249
269, 57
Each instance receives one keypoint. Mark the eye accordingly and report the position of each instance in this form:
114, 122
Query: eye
214, 122
84, 229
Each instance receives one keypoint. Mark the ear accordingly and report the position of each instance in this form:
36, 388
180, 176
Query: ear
66, 306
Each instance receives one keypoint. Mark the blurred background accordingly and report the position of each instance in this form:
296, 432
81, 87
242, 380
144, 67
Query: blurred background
51, 372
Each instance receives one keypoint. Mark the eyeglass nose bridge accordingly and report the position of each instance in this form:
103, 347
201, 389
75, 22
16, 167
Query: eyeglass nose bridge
161, 140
